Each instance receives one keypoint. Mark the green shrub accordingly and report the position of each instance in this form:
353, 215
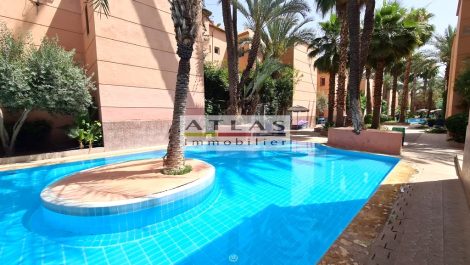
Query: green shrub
368, 119
215, 89
186, 169
86, 131
384, 118
457, 126
44, 78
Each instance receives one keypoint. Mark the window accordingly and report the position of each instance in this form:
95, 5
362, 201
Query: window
217, 50
322, 81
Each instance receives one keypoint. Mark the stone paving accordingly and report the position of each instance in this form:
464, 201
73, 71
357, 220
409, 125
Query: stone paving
431, 223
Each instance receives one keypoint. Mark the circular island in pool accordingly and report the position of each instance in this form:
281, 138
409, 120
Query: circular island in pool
128, 187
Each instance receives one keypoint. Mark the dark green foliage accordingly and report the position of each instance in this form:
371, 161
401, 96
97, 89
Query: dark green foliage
384, 118
457, 126
57, 84
215, 89
86, 131
368, 119
44, 78
276, 93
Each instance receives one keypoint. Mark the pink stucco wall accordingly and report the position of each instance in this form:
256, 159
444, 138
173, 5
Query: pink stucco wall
374, 141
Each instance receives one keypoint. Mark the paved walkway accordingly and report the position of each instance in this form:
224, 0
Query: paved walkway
432, 224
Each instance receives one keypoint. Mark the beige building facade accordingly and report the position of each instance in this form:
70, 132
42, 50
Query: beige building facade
460, 57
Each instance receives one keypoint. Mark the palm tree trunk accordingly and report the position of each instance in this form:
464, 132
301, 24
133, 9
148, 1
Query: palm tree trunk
252, 55
412, 105
174, 159
368, 92
404, 99
386, 98
429, 96
394, 95
331, 96
379, 78
343, 61
232, 56
16, 130
4, 137
355, 71
446, 88
367, 31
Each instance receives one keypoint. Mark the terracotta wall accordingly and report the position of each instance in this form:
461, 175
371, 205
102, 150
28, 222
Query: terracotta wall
305, 90
59, 18
137, 66
460, 54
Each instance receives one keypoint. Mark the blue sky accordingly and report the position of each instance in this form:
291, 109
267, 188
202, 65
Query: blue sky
444, 12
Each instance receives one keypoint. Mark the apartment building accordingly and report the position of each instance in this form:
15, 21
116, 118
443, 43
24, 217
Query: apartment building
132, 55
460, 56
305, 93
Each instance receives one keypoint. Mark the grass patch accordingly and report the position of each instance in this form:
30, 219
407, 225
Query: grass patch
180, 171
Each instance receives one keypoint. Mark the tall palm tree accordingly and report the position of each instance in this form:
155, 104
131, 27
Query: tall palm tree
326, 51
368, 90
260, 13
184, 14
396, 69
391, 40
284, 33
230, 17
102, 6
325, 6
387, 85
418, 20
429, 71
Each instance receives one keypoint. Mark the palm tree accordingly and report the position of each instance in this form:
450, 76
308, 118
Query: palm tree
368, 90
429, 71
102, 6
418, 19
229, 14
260, 13
325, 50
325, 6
443, 44
284, 33
391, 40
387, 85
396, 69
185, 14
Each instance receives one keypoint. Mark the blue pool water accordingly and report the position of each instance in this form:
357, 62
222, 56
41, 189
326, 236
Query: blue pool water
268, 206
417, 121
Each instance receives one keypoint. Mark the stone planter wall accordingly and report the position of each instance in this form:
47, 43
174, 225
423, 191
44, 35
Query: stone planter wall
374, 141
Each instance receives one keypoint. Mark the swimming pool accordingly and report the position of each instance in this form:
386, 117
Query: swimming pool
268, 206
421, 121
